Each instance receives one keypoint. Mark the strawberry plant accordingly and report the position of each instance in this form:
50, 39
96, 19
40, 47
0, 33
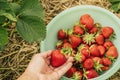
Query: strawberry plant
27, 15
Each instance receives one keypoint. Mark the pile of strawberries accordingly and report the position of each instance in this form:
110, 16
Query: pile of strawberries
91, 46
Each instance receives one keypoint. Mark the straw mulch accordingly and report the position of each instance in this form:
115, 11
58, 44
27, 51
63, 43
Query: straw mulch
17, 54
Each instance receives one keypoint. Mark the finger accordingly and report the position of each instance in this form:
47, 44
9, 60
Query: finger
46, 54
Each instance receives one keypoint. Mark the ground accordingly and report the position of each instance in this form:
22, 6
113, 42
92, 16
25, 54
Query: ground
17, 54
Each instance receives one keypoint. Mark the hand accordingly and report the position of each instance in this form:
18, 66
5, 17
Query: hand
39, 68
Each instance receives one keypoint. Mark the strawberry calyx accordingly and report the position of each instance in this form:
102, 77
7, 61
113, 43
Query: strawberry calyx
111, 58
80, 47
112, 36
78, 57
59, 43
98, 66
67, 51
89, 38
70, 31
77, 76
85, 74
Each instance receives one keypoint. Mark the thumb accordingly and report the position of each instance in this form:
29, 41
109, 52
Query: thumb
59, 72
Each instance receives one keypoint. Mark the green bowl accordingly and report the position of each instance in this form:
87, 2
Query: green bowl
69, 17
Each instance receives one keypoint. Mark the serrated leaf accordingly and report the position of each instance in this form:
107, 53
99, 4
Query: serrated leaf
16, 7
116, 7
3, 36
31, 28
6, 10
114, 1
32, 8
7, 15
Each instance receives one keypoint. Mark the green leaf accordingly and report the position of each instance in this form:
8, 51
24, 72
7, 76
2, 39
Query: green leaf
32, 8
116, 7
6, 10
31, 28
3, 36
7, 15
2, 19
114, 1
16, 7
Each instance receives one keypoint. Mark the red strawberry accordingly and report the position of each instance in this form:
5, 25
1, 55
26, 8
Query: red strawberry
108, 44
97, 63
71, 71
93, 30
79, 58
97, 59
77, 75
67, 45
104, 68
102, 50
57, 58
88, 63
78, 30
65, 40
62, 34
94, 51
85, 52
107, 31
91, 74
75, 40
100, 39
87, 20
106, 61
112, 52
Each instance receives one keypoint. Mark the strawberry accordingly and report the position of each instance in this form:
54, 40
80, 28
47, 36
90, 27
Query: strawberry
104, 68
71, 71
91, 74
88, 64
65, 40
99, 39
75, 40
108, 44
62, 34
97, 63
97, 59
93, 30
87, 20
94, 51
106, 61
112, 52
67, 45
85, 52
79, 58
101, 50
78, 30
57, 58
77, 75
107, 31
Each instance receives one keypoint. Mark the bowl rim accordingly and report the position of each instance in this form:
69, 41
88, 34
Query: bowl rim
42, 47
